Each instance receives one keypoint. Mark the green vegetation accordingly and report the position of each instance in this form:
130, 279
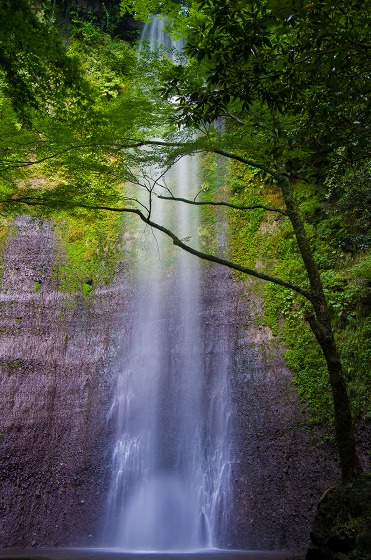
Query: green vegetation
91, 240
264, 241
13, 367
37, 286
32, 52
92, 249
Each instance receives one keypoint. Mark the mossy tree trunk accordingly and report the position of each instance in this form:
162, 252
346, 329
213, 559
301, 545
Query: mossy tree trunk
320, 323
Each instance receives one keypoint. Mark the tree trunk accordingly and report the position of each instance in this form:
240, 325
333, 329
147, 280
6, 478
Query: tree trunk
320, 323
344, 432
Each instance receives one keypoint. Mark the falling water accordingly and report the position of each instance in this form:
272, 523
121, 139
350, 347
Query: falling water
171, 461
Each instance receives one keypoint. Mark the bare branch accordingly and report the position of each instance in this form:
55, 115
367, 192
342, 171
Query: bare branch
195, 149
246, 161
233, 117
308, 294
228, 204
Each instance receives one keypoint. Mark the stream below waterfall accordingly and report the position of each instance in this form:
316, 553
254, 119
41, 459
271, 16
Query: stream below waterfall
111, 554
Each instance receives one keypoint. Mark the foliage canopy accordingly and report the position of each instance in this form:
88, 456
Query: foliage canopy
36, 70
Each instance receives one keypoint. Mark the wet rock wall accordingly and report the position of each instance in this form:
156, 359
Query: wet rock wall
279, 471
54, 389
59, 356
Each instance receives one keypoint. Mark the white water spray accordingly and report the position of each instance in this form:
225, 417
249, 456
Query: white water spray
171, 461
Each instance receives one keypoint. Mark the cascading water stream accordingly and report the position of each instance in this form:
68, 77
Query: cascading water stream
171, 461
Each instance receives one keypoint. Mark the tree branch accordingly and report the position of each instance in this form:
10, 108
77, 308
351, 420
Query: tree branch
229, 115
225, 153
30, 201
246, 161
211, 149
227, 204
17, 163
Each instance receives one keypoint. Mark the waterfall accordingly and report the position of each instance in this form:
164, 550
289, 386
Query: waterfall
171, 460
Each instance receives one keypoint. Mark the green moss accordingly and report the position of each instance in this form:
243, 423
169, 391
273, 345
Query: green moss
304, 358
266, 242
7, 229
37, 286
87, 288
283, 313
13, 367
354, 341
92, 245
244, 238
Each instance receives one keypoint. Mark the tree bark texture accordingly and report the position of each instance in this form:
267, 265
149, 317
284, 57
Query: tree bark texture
321, 326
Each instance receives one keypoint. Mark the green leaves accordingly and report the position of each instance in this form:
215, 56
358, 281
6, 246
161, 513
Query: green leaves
307, 60
169, 10
36, 70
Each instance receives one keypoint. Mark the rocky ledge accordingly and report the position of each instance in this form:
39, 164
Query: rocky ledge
342, 526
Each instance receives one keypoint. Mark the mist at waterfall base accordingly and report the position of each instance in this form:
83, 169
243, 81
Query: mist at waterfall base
171, 460
112, 554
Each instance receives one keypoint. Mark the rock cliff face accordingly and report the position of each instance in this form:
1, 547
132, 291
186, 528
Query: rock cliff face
278, 475
54, 353
58, 356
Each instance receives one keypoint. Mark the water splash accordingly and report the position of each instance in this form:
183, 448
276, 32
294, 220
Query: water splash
171, 461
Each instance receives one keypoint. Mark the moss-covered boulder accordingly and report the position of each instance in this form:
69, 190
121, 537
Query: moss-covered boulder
342, 526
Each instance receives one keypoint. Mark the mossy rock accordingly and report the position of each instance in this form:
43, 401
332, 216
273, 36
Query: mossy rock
342, 526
